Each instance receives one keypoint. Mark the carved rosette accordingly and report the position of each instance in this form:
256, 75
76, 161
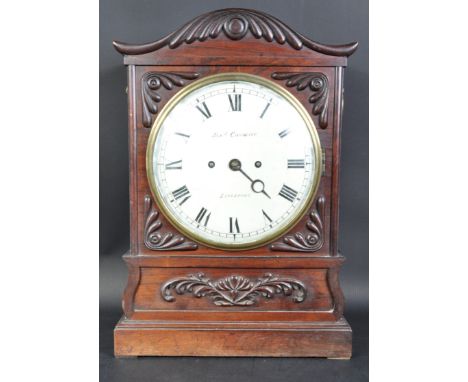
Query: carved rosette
158, 241
317, 83
152, 82
310, 240
234, 290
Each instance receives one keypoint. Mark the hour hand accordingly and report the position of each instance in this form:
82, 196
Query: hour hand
257, 185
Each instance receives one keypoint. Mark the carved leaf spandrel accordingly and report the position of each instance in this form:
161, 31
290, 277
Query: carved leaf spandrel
317, 83
309, 241
158, 241
234, 290
151, 82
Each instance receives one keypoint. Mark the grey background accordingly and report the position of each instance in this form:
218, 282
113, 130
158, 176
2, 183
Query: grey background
326, 21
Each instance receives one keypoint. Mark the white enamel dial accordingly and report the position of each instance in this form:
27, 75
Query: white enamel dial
234, 162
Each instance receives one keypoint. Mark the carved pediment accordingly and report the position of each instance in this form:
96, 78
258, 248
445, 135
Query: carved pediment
235, 24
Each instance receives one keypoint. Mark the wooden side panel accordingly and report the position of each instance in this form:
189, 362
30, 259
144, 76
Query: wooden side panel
335, 168
133, 158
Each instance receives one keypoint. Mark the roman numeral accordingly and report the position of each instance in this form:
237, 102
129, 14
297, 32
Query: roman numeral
283, 133
296, 163
201, 215
177, 165
288, 193
204, 110
236, 102
233, 224
264, 110
182, 135
181, 192
266, 217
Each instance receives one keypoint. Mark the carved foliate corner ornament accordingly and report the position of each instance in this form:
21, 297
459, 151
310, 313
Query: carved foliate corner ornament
234, 290
317, 83
158, 241
151, 82
310, 240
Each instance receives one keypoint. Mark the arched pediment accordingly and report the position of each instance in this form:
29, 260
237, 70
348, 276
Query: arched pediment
236, 24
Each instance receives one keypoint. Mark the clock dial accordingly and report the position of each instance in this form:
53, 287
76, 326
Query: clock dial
233, 161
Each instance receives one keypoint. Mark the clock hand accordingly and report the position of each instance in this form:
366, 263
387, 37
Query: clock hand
257, 185
243, 173
260, 187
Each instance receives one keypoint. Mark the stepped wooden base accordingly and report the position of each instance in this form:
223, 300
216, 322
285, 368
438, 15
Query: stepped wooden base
319, 339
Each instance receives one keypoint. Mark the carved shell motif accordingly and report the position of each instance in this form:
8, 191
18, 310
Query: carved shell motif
152, 82
158, 241
235, 23
309, 241
234, 290
317, 83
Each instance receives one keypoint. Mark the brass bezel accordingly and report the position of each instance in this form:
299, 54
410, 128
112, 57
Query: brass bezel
232, 77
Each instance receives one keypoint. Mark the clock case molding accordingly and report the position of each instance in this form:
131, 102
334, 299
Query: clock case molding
282, 299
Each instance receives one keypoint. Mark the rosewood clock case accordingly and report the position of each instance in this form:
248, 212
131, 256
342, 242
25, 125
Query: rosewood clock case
282, 299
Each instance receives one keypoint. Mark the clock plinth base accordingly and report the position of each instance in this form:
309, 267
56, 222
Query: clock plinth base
249, 339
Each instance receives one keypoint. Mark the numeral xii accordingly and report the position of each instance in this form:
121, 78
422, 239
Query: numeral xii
235, 102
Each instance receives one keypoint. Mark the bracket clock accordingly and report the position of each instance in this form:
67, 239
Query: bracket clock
234, 139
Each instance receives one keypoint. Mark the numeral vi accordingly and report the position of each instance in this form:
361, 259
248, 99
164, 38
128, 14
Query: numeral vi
233, 225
